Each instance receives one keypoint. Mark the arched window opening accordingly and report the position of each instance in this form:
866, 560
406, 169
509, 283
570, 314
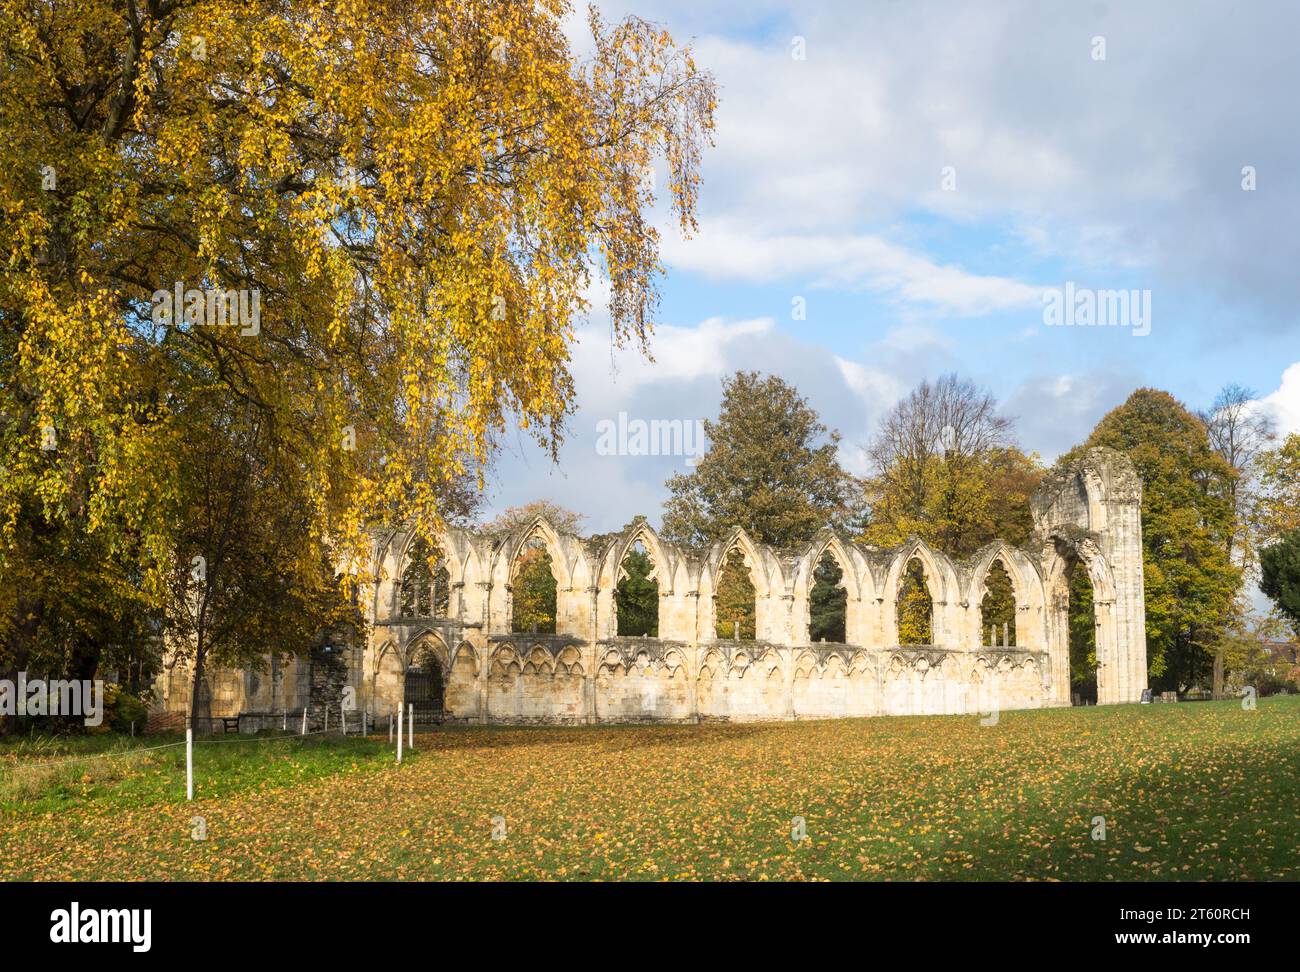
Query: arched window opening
533, 590
827, 602
1083, 637
915, 607
636, 598
734, 606
998, 607
426, 584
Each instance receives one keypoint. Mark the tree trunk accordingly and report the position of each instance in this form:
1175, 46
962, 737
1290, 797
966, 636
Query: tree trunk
1217, 690
28, 614
196, 688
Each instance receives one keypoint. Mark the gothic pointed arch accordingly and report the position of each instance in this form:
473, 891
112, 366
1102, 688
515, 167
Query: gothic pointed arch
428, 667
541, 531
427, 646
385, 654
735, 597
828, 599
939, 575
636, 593
738, 540
424, 585
467, 657
534, 587
829, 543
996, 565
1024, 573
643, 533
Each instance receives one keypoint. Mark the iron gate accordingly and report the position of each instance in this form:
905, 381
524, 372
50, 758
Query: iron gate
424, 691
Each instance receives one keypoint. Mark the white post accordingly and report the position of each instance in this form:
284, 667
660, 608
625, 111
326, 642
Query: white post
327, 718
132, 728
285, 727
410, 723
189, 763
304, 720
399, 733
343, 719
390, 728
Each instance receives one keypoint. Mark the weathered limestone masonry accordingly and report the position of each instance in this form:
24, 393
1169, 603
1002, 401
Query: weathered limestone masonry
1085, 515
314, 680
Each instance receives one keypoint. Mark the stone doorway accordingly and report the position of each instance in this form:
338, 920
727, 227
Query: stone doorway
425, 688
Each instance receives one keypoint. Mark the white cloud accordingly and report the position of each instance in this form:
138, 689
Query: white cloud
1121, 164
683, 382
873, 385
1053, 411
827, 174
1284, 404
680, 353
853, 262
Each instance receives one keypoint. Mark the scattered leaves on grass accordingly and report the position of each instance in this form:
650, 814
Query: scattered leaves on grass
1192, 791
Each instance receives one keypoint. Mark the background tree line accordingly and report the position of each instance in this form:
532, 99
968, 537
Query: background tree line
944, 465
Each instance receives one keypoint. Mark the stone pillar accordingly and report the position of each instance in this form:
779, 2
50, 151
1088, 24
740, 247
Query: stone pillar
485, 651
787, 656
1123, 547
1092, 509
589, 657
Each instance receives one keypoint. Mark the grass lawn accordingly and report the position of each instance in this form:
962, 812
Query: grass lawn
1189, 791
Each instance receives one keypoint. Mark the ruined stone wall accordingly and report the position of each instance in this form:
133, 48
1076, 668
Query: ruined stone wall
1087, 514
284, 683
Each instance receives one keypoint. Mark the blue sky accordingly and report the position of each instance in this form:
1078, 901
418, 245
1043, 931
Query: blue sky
919, 179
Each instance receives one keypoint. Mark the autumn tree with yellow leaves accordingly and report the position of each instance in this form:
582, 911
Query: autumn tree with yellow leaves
371, 226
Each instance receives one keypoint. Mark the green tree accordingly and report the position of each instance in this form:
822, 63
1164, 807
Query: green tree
734, 600
827, 602
637, 597
71, 607
1082, 625
1187, 522
1261, 654
534, 591
998, 606
771, 468
915, 607
250, 576
533, 580
1280, 575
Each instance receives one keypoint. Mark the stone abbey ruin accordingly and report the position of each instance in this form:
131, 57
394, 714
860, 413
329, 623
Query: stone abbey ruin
445, 639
